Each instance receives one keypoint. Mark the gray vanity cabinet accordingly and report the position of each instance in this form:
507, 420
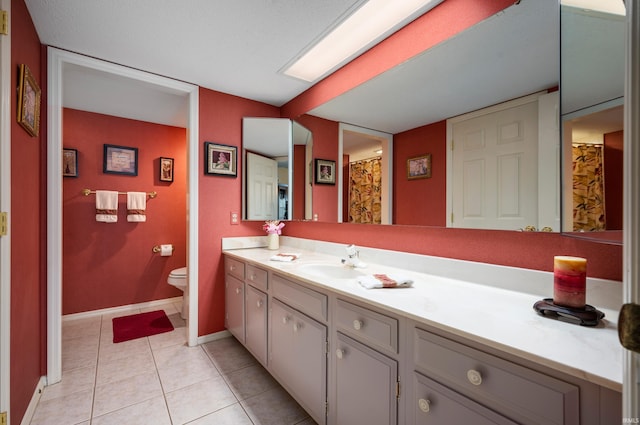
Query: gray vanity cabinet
234, 299
297, 357
256, 323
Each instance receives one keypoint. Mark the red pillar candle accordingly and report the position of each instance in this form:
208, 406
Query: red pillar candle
569, 281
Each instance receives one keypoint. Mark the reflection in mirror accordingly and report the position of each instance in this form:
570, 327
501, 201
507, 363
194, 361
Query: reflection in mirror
592, 88
275, 154
364, 175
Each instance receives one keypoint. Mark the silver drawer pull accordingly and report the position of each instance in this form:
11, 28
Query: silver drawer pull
297, 327
339, 353
357, 324
252, 277
474, 377
423, 404
232, 268
237, 290
285, 320
259, 303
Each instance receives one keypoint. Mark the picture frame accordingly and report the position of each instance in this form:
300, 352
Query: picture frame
419, 167
166, 169
69, 162
28, 101
120, 160
325, 171
220, 159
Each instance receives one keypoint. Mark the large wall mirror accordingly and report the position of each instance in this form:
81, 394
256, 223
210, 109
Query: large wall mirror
510, 56
276, 172
592, 103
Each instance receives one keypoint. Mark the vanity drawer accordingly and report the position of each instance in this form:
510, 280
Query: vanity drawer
234, 267
367, 325
522, 394
257, 277
300, 297
435, 404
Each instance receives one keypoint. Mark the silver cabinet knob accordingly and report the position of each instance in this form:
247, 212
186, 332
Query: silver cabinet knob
285, 320
423, 404
474, 377
232, 268
339, 353
297, 327
237, 290
252, 277
358, 324
259, 303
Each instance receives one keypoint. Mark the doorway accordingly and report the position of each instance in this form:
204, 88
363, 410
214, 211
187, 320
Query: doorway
360, 142
58, 61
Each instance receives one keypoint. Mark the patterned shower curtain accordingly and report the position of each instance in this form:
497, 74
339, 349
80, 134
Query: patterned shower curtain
588, 188
365, 204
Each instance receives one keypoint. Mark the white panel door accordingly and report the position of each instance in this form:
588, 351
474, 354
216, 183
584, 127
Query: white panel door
494, 169
262, 188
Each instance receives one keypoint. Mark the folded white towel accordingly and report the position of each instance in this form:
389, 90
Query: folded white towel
106, 206
372, 281
136, 206
285, 256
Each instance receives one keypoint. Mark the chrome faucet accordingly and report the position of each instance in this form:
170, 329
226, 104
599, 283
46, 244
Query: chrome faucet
353, 257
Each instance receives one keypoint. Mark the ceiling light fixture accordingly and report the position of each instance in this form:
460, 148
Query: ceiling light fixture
361, 30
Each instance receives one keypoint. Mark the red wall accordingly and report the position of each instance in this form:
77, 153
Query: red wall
325, 146
28, 224
613, 178
424, 201
220, 121
112, 264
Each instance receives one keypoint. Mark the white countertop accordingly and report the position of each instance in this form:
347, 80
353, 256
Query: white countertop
484, 312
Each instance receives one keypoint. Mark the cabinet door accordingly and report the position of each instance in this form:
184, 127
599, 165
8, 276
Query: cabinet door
256, 326
298, 357
234, 307
366, 383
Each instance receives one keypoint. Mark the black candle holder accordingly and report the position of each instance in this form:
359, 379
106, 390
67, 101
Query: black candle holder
587, 316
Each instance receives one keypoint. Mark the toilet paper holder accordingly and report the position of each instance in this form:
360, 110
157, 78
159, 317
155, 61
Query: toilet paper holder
156, 249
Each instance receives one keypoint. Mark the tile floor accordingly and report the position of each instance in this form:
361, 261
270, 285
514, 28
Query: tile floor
159, 380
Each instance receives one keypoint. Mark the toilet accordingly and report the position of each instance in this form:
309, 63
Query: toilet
178, 278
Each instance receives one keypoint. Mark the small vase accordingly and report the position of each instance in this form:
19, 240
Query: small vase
273, 241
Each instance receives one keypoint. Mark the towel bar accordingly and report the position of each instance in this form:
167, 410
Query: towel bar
87, 192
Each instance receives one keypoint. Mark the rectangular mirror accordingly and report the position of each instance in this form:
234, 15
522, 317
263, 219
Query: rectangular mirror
276, 178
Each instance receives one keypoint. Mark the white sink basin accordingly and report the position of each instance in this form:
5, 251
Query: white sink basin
331, 271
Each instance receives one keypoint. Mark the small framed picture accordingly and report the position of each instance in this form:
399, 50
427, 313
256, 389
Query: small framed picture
166, 169
325, 171
120, 160
28, 101
220, 159
419, 167
69, 162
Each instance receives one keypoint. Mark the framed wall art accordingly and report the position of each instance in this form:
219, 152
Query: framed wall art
120, 160
220, 159
419, 167
325, 171
28, 101
166, 169
69, 162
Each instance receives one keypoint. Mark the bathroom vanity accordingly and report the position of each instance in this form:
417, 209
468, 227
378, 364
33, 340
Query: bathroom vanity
449, 350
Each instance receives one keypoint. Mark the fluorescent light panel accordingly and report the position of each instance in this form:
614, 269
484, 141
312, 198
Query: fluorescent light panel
360, 31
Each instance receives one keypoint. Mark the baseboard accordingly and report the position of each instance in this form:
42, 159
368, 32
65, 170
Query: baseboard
120, 309
31, 409
213, 337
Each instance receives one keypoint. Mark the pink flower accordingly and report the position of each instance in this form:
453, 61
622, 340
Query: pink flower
273, 227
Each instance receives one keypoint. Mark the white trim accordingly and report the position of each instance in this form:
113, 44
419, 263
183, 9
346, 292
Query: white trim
631, 202
474, 114
35, 399
56, 62
387, 166
120, 309
5, 205
213, 337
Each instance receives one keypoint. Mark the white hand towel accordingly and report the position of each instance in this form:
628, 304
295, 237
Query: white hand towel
285, 256
136, 206
106, 206
373, 281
